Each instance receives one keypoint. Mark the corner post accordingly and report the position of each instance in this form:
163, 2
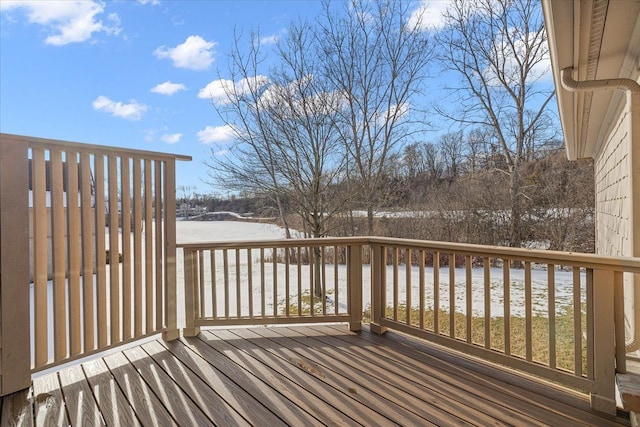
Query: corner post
15, 347
171, 308
354, 266
378, 287
191, 303
604, 352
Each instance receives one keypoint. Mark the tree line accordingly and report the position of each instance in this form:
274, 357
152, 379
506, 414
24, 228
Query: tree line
328, 126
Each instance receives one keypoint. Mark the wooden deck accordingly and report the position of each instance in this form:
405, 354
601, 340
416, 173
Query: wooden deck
319, 375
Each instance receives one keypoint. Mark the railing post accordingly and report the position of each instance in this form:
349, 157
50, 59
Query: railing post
354, 274
171, 308
604, 354
15, 358
378, 287
618, 307
191, 294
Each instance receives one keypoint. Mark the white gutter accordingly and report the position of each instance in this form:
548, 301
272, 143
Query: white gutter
632, 89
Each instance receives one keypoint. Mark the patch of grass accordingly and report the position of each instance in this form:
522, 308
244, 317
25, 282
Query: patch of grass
305, 308
564, 333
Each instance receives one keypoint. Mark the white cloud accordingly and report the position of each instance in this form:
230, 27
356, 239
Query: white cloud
152, 2
66, 21
217, 90
216, 134
429, 14
131, 111
194, 54
168, 88
273, 38
171, 138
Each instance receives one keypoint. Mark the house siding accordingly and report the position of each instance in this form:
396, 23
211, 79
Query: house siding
617, 225
613, 192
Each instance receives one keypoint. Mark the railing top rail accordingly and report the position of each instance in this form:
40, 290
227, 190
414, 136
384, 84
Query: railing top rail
575, 259
279, 243
92, 148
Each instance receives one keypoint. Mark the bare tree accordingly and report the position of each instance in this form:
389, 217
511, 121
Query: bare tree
286, 140
377, 60
498, 49
452, 149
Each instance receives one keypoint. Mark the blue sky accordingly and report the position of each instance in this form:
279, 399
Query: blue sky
128, 73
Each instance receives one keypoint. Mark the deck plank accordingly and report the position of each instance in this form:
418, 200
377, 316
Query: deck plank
293, 375
242, 402
216, 408
490, 380
17, 409
261, 392
251, 397
439, 395
341, 383
81, 406
113, 403
383, 358
179, 405
396, 392
315, 397
49, 406
148, 408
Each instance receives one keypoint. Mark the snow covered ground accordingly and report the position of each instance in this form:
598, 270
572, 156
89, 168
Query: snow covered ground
217, 231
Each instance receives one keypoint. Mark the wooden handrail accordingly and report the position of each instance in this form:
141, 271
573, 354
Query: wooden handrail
104, 150
578, 259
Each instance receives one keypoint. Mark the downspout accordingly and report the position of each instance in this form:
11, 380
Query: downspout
632, 88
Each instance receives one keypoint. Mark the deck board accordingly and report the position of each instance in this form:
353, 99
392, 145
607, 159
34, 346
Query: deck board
148, 408
439, 394
369, 384
214, 407
314, 375
497, 404
14, 411
49, 405
83, 409
113, 403
491, 386
297, 385
242, 401
178, 403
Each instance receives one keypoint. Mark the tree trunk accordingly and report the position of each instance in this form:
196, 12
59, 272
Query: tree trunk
369, 220
283, 218
515, 226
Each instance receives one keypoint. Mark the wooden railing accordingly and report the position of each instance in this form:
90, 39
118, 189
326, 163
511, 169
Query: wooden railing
100, 254
292, 281
556, 315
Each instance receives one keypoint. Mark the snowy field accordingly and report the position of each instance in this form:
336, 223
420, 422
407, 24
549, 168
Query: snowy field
223, 231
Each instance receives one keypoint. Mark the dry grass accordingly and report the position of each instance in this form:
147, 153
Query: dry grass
564, 331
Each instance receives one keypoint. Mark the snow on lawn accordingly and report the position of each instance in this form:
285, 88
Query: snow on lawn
275, 294
210, 231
